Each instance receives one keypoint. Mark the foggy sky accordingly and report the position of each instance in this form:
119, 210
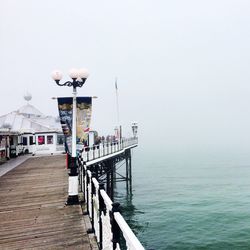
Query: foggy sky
182, 66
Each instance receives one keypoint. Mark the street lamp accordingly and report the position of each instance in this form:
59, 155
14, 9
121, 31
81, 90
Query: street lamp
78, 79
134, 128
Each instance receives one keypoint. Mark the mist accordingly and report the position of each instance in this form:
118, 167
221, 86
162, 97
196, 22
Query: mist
182, 66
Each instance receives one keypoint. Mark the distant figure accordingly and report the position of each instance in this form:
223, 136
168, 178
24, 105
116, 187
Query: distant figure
98, 140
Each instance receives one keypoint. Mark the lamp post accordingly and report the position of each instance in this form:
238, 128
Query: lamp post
78, 79
134, 129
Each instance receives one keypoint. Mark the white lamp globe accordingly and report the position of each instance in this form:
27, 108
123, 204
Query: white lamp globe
56, 75
83, 73
27, 97
73, 73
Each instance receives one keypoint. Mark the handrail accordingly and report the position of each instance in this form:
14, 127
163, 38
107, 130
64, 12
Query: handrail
107, 222
116, 219
106, 199
131, 240
106, 148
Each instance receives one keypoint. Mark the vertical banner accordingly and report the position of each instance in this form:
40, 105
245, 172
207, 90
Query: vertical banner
65, 108
83, 118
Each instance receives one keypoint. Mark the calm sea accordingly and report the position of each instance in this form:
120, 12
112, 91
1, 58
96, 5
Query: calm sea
189, 200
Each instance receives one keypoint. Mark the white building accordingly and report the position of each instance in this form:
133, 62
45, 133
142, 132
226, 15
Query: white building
27, 130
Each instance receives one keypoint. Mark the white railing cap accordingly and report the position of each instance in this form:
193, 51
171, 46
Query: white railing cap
96, 183
127, 232
89, 173
106, 199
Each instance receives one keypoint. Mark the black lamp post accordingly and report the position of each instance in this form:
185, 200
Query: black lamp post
78, 79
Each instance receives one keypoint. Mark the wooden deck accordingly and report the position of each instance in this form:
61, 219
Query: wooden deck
33, 214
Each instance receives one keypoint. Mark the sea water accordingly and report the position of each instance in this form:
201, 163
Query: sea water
189, 200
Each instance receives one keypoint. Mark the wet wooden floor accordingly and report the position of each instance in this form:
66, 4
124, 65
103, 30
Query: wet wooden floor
33, 214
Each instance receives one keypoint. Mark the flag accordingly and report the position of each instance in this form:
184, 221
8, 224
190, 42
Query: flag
116, 84
86, 130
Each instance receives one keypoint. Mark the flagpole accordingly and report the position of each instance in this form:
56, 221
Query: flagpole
117, 102
117, 111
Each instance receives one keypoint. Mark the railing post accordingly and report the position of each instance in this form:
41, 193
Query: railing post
84, 182
79, 158
87, 191
80, 176
87, 150
93, 189
102, 209
114, 226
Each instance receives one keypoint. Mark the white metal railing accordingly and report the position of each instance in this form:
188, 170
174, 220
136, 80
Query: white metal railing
106, 148
107, 222
106, 219
131, 240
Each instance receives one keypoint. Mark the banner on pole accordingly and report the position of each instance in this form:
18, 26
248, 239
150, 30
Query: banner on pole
65, 108
83, 118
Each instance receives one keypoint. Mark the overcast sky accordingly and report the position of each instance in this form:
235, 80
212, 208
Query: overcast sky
183, 67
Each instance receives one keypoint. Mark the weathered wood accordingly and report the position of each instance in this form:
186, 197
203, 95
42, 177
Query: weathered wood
33, 214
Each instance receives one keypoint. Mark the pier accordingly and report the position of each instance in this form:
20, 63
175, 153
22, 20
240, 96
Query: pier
39, 206
33, 213
32, 208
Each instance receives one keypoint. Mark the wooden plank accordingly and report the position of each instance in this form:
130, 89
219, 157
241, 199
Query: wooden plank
33, 214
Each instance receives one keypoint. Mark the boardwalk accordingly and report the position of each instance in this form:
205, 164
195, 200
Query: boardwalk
32, 210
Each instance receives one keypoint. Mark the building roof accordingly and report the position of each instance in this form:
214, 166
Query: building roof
29, 119
29, 110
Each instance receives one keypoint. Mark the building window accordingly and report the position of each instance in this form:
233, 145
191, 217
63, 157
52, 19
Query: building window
31, 140
2, 142
50, 139
25, 141
41, 140
60, 139
11, 140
